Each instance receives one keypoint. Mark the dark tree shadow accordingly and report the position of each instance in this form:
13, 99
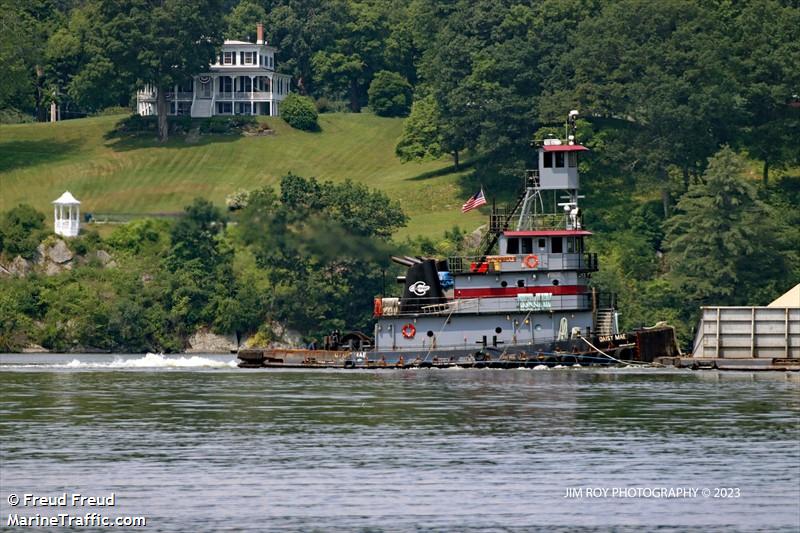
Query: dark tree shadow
20, 154
450, 169
126, 143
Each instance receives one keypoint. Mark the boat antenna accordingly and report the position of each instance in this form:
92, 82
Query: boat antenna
571, 127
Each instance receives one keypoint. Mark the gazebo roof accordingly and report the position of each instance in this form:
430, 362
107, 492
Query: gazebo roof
66, 199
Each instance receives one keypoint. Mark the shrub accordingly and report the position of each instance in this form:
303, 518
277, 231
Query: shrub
223, 125
326, 105
113, 110
389, 94
137, 124
21, 231
299, 112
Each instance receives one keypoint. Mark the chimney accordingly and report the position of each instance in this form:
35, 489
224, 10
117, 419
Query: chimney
259, 33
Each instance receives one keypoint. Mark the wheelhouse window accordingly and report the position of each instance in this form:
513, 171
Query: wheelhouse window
560, 159
572, 159
542, 244
228, 58
556, 245
512, 246
527, 245
548, 160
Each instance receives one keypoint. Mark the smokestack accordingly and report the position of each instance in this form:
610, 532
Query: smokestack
259, 33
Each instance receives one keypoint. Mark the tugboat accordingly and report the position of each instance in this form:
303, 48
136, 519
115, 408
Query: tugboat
525, 301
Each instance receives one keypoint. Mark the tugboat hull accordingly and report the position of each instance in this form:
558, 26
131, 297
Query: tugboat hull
612, 351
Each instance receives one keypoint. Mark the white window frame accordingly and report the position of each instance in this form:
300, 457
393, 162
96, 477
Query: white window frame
227, 58
249, 58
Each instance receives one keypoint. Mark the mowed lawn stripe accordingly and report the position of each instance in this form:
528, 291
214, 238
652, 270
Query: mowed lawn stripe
140, 176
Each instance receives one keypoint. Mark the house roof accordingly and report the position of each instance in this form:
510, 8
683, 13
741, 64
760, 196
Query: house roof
66, 199
239, 43
564, 148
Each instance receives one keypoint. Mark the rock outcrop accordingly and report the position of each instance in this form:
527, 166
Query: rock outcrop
204, 341
52, 257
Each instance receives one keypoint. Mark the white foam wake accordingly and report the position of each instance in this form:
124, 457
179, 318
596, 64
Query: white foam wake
154, 360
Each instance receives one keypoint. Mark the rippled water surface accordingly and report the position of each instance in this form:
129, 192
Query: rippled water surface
195, 444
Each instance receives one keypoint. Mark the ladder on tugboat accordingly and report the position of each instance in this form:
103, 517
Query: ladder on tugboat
500, 218
604, 321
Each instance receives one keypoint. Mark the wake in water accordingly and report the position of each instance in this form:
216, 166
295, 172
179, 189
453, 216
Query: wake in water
151, 360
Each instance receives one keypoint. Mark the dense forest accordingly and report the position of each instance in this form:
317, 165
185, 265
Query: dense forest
691, 109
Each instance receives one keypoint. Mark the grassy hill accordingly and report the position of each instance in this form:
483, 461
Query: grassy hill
40, 161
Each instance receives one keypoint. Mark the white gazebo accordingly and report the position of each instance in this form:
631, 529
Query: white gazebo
66, 215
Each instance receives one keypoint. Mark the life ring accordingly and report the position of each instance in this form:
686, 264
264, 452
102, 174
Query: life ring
531, 261
409, 331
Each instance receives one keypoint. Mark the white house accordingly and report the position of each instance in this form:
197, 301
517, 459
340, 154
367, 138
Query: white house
242, 81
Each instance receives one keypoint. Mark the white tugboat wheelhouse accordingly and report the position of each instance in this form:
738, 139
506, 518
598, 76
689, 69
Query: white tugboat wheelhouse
242, 81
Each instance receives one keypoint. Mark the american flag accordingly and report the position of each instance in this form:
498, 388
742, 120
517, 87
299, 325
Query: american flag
476, 200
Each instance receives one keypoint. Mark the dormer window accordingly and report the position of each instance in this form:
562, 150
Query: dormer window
227, 58
249, 58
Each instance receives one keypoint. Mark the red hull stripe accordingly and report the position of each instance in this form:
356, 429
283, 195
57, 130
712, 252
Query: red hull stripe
499, 292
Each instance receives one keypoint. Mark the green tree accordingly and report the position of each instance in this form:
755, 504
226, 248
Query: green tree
78, 64
201, 267
389, 94
337, 74
768, 80
159, 42
720, 235
321, 245
299, 112
243, 19
661, 72
299, 29
422, 137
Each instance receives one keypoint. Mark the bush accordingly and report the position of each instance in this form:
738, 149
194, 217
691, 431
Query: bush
113, 110
326, 105
12, 116
299, 112
137, 124
224, 125
389, 94
21, 231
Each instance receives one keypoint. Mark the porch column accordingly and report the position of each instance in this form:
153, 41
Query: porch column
252, 90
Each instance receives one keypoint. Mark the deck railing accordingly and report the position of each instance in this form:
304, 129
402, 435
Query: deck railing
493, 264
522, 303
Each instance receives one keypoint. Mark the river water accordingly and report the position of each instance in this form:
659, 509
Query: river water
195, 444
